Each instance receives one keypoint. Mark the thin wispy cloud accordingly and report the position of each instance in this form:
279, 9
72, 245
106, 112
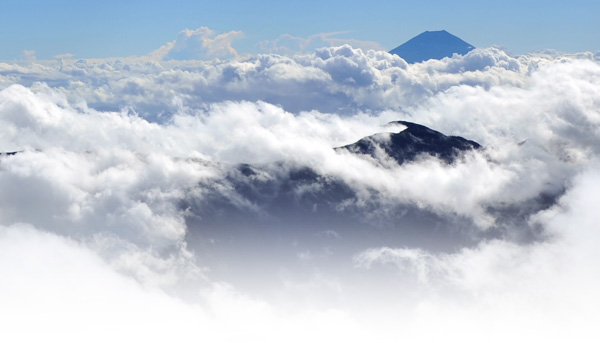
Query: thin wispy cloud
287, 44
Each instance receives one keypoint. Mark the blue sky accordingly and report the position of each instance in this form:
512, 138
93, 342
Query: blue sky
124, 28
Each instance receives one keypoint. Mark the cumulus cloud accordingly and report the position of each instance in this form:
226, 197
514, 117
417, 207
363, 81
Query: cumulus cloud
125, 166
335, 79
199, 44
230, 131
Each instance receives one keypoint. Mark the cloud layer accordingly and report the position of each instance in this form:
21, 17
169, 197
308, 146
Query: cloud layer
150, 190
339, 80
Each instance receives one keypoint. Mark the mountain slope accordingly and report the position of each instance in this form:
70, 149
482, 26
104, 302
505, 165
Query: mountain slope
432, 45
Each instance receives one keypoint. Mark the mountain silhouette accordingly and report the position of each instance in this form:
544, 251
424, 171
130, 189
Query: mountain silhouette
432, 45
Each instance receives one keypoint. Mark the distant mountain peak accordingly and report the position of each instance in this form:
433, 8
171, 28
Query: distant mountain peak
432, 45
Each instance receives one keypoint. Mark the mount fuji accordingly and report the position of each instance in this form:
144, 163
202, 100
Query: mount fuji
432, 45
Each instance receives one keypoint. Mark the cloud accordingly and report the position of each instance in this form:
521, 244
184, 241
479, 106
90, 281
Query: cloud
29, 56
334, 79
83, 298
130, 195
554, 280
488, 83
287, 44
231, 131
199, 44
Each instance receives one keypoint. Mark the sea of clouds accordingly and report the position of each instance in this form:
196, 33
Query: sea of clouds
96, 246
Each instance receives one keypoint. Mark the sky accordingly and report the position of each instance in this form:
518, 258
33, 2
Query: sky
197, 192
90, 29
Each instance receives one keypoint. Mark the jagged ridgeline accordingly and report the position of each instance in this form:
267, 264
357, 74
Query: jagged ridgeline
408, 144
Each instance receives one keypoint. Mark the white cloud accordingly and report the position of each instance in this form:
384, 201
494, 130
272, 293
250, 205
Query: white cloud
54, 289
558, 132
99, 204
335, 79
287, 44
199, 44
549, 286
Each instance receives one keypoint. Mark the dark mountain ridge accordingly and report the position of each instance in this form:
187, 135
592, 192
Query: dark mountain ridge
415, 140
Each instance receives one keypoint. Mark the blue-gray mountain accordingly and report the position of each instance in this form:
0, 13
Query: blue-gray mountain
432, 45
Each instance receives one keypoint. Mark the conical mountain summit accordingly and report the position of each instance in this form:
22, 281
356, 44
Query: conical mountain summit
432, 45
